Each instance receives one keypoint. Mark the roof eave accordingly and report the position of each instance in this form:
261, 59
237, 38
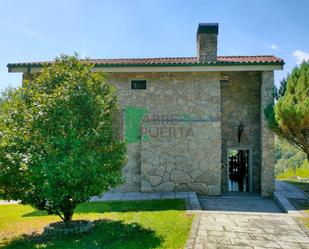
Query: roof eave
23, 68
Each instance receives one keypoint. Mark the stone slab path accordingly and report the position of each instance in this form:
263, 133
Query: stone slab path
190, 197
224, 230
250, 222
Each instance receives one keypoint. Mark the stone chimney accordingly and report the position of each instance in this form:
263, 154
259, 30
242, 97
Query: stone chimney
207, 39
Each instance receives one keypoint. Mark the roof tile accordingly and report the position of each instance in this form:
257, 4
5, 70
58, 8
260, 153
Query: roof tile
221, 60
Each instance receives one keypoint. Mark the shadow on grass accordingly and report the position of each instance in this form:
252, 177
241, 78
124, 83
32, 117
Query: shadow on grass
122, 206
105, 234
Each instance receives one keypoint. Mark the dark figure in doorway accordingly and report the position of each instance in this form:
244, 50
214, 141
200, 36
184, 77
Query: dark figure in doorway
238, 169
242, 170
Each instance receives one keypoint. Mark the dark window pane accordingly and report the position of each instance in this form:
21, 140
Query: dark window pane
138, 84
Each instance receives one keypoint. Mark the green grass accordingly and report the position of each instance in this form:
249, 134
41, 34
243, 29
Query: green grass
131, 224
302, 172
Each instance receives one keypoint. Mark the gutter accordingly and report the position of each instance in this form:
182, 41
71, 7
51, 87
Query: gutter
190, 67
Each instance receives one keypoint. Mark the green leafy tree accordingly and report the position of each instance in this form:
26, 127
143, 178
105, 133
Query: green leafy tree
59, 145
289, 118
287, 156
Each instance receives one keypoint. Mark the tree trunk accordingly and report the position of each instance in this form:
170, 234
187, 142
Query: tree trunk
67, 209
68, 214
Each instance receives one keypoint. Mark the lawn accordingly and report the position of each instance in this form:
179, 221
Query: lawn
130, 224
302, 172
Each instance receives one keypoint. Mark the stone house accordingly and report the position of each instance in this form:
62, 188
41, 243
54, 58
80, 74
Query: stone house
193, 123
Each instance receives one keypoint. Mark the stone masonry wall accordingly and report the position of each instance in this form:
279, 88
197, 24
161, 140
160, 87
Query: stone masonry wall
182, 163
267, 137
240, 103
173, 162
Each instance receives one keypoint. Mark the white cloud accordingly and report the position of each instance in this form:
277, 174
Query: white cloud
301, 56
273, 46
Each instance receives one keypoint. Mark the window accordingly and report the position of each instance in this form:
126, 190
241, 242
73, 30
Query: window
138, 84
224, 78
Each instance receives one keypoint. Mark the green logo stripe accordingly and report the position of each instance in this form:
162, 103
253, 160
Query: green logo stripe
133, 117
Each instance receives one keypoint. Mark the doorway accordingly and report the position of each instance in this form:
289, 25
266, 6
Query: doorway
239, 170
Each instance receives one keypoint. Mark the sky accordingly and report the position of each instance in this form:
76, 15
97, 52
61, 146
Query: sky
42, 30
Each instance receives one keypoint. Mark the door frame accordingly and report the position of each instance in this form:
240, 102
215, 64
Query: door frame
249, 166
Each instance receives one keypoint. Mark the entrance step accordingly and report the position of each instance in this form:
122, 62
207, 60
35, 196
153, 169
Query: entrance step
254, 204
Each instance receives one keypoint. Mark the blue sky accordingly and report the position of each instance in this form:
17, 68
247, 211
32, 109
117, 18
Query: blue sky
41, 30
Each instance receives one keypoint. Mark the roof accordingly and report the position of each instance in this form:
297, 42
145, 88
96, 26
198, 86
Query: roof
169, 61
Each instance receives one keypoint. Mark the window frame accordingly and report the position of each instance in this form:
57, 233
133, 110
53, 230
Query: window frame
143, 80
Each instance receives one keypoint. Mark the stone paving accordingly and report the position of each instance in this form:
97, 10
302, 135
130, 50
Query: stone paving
249, 222
240, 230
190, 197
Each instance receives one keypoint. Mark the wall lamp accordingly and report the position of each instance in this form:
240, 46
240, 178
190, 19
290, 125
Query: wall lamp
240, 131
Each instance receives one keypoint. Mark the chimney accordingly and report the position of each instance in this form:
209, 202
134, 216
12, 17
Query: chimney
207, 37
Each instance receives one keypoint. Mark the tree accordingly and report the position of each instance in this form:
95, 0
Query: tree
286, 156
289, 118
279, 92
59, 145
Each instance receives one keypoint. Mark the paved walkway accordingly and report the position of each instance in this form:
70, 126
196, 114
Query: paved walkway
249, 222
243, 230
191, 199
